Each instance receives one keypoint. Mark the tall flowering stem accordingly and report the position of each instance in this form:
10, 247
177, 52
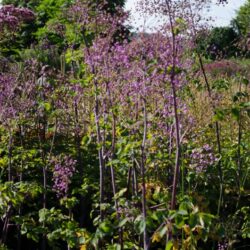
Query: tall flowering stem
177, 125
105, 27
194, 33
143, 163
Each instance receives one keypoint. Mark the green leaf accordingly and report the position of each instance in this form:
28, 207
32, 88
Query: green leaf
193, 220
140, 224
169, 245
235, 113
120, 193
47, 106
163, 230
219, 115
33, 236
123, 222
245, 104
114, 247
183, 212
43, 214
245, 81
179, 221
106, 227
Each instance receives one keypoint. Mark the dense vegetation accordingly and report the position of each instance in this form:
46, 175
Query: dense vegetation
115, 140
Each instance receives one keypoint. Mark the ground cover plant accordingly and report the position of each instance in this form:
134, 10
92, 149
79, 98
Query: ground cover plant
115, 139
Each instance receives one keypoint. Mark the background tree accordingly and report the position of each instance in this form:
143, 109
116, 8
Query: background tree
50, 15
242, 20
241, 24
219, 42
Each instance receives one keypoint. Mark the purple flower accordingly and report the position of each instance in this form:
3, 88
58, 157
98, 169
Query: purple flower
11, 16
222, 246
64, 168
202, 157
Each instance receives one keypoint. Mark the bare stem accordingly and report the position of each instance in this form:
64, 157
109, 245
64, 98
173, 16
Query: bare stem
143, 162
177, 125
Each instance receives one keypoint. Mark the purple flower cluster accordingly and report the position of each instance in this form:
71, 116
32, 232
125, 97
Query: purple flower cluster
222, 246
202, 157
7, 96
82, 13
223, 67
11, 16
126, 73
64, 168
16, 97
